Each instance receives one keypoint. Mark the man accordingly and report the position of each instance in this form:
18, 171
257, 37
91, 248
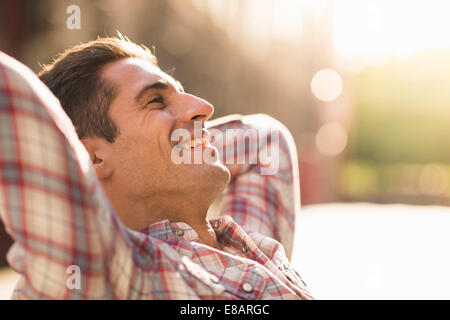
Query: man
125, 111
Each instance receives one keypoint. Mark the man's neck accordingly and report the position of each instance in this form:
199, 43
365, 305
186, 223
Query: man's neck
144, 215
206, 233
196, 218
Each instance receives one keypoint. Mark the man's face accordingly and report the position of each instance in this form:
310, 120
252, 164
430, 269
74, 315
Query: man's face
149, 106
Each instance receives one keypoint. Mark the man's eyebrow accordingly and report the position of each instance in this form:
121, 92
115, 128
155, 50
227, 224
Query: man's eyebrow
160, 84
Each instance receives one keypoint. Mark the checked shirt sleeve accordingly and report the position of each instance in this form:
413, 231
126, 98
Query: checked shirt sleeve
54, 208
264, 192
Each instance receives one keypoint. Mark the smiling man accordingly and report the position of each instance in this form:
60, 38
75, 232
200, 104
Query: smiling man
136, 170
125, 111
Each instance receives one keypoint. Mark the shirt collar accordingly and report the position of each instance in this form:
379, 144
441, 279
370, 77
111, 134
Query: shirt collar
166, 230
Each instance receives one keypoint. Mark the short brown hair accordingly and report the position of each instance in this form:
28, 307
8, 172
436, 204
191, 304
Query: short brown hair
75, 79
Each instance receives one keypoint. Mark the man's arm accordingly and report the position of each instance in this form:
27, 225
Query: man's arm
264, 193
54, 208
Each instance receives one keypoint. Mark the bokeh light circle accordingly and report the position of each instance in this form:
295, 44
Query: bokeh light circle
326, 85
331, 139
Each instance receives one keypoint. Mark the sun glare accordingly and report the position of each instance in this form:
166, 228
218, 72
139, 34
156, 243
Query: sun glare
374, 31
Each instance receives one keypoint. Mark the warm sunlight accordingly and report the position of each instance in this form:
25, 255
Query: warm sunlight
373, 31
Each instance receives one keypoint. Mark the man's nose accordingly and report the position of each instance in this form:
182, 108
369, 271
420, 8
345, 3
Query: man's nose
196, 109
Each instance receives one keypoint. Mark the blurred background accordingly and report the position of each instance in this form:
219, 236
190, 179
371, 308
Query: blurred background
363, 86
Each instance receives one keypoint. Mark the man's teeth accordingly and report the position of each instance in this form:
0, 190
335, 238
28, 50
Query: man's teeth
196, 143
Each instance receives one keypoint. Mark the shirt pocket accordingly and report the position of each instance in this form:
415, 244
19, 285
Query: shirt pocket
205, 284
243, 281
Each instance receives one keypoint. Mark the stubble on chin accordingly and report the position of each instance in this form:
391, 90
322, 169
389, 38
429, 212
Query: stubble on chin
211, 181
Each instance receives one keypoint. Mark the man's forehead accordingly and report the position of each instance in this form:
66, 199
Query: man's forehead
135, 73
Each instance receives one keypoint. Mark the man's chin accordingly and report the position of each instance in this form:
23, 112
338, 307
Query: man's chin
218, 172
226, 174
212, 178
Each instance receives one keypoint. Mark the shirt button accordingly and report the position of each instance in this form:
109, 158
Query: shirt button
247, 287
245, 249
217, 224
180, 232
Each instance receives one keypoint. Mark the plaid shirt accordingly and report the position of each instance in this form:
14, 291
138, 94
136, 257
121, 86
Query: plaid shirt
55, 209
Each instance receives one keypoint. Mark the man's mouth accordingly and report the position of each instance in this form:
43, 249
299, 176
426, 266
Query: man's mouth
197, 142
204, 141
195, 149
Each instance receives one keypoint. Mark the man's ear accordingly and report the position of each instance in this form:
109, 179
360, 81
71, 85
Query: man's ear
98, 152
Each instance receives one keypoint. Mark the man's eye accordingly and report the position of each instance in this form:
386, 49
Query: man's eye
156, 100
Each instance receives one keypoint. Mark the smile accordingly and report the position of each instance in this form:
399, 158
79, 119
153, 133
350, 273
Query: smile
197, 142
